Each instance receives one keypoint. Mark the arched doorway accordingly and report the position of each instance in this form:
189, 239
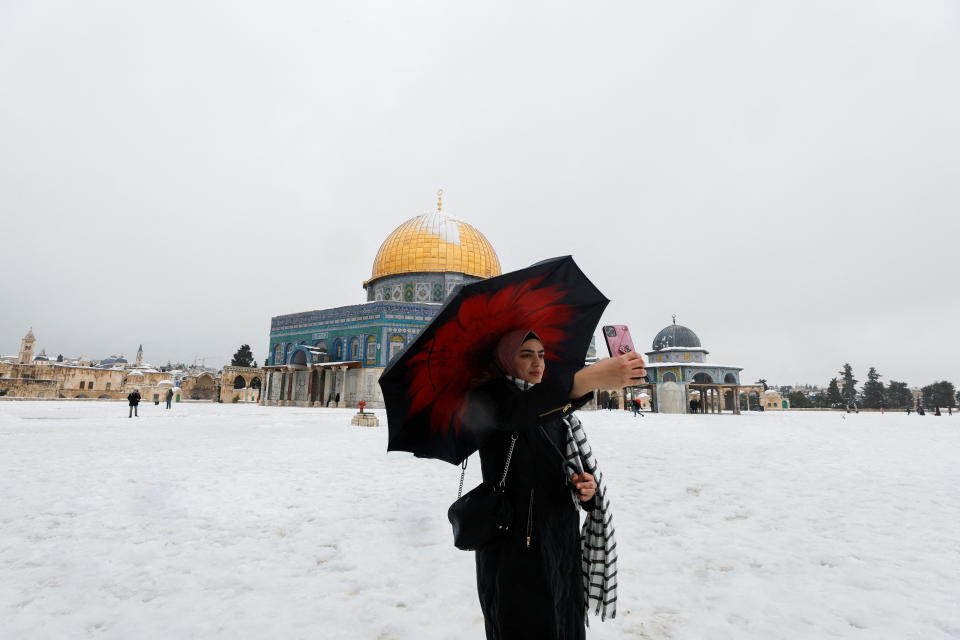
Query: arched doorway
204, 387
239, 383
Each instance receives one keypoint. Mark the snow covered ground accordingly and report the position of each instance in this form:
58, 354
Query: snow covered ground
239, 521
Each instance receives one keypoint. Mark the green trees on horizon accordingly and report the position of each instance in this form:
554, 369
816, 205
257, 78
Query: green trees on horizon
874, 394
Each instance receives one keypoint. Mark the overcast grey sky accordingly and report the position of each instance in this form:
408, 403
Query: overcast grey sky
782, 176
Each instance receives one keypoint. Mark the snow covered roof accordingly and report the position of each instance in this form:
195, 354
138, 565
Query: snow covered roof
699, 365
135, 373
679, 349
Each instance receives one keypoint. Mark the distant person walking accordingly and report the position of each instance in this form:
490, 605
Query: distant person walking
637, 407
134, 399
169, 397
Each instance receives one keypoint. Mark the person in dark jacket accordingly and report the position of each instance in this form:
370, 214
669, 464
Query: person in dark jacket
134, 399
529, 580
169, 397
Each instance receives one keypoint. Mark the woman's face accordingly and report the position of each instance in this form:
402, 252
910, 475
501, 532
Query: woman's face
529, 361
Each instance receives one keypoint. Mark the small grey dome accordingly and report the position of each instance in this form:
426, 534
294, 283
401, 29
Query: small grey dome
676, 335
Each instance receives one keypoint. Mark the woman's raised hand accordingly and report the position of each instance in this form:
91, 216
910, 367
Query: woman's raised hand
610, 373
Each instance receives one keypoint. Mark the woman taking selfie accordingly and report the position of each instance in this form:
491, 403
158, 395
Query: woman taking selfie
531, 579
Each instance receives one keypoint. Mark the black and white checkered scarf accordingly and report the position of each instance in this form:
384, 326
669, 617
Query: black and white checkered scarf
598, 546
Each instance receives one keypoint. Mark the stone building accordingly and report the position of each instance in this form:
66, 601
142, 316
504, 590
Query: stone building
36, 376
773, 400
681, 380
334, 357
240, 384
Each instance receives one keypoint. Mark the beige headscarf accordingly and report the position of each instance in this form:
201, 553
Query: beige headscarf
507, 349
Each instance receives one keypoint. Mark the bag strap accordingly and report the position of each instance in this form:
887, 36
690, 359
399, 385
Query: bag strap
506, 466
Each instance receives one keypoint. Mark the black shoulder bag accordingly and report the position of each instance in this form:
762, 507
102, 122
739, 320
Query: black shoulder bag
484, 513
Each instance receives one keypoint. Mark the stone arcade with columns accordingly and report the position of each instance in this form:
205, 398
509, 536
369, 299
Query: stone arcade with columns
681, 380
334, 357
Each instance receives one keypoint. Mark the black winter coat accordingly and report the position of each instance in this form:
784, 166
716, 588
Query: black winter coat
134, 398
529, 581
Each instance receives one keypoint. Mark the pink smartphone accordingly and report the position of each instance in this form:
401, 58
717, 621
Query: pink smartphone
618, 339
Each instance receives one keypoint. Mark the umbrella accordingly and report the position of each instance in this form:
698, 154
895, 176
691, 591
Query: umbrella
425, 388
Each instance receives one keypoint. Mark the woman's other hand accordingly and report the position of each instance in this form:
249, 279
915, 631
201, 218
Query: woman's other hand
585, 484
610, 373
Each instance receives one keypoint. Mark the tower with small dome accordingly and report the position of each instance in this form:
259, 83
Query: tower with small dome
334, 356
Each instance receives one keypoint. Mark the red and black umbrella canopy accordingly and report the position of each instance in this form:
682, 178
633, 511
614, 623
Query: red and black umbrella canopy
425, 388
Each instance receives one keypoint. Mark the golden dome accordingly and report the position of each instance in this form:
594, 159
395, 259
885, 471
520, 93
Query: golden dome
435, 242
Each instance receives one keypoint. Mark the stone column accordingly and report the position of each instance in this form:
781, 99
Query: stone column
736, 400
343, 387
328, 374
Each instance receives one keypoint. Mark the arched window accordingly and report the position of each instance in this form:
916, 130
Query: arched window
255, 383
278, 355
371, 350
239, 383
703, 378
730, 379
338, 350
355, 349
396, 345
669, 376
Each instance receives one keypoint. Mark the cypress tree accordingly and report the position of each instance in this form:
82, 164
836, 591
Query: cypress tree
834, 399
873, 391
848, 390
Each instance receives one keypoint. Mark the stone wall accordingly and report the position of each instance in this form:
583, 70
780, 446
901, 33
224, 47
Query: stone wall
87, 382
28, 388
